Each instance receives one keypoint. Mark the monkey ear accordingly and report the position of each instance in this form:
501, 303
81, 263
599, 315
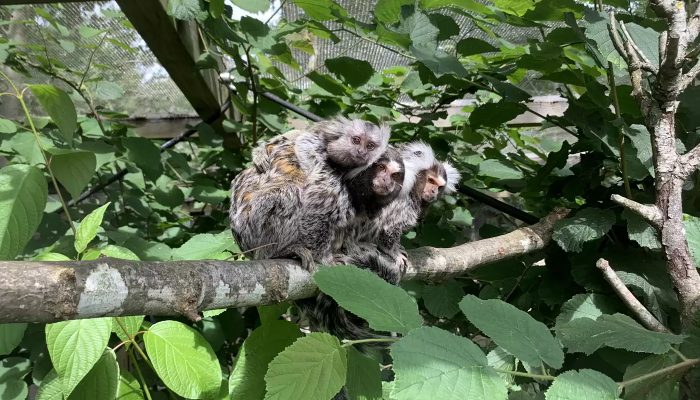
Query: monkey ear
453, 177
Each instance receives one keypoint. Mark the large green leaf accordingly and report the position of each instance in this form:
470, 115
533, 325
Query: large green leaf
247, 381
131, 324
88, 228
23, 195
430, 363
204, 246
386, 307
641, 231
597, 31
441, 300
183, 9
60, 108
389, 11
183, 359
129, 388
321, 10
654, 387
352, 71
363, 380
75, 347
692, 234
588, 224
73, 169
618, 331
589, 305
10, 337
585, 384
499, 169
7, 126
12, 374
514, 330
471, 46
101, 382
313, 368
50, 388
254, 6
145, 155
493, 115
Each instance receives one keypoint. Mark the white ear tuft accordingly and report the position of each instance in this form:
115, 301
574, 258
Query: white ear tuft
453, 177
417, 156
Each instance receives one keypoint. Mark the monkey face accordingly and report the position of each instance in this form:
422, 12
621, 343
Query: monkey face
387, 176
360, 145
431, 183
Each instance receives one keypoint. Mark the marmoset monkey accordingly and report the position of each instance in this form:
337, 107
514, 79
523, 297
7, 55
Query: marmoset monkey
297, 205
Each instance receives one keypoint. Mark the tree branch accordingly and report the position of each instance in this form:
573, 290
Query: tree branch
32, 291
689, 162
649, 212
634, 63
628, 298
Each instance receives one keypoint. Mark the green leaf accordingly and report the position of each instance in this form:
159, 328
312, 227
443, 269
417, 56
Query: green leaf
430, 363
471, 46
118, 252
7, 126
647, 41
441, 300
10, 337
692, 234
132, 325
658, 387
101, 382
501, 359
129, 388
183, 359
363, 381
516, 7
145, 155
257, 33
617, 331
51, 257
597, 31
352, 71
26, 146
60, 108
438, 61
73, 169
12, 374
313, 368
514, 330
499, 170
247, 381
588, 305
321, 10
23, 195
386, 307
106, 90
183, 9
75, 347
254, 6
585, 384
493, 115
588, 224
641, 231
389, 11
50, 388
88, 228
204, 246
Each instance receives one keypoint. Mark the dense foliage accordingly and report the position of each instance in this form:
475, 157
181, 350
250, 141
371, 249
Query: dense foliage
547, 326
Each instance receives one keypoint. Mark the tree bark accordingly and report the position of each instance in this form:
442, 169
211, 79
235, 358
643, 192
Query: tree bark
32, 291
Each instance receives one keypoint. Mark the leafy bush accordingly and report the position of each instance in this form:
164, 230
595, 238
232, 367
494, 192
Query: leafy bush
548, 326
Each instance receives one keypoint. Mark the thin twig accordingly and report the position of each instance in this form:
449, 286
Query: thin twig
650, 212
254, 89
618, 115
89, 62
647, 319
645, 63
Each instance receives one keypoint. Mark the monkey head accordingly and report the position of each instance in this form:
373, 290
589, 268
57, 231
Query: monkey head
354, 144
440, 179
387, 174
417, 157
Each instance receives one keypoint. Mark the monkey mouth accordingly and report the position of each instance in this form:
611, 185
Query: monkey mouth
383, 190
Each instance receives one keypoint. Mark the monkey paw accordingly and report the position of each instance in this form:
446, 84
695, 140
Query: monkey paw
306, 258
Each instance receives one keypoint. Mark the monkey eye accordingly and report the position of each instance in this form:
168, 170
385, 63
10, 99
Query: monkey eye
381, 167
418, 153
356, 140
370, 146
396, 175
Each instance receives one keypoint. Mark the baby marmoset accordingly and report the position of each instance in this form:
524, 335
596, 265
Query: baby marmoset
294, 203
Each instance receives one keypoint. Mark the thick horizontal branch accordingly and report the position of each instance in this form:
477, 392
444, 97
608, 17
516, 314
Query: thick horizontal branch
32, 291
